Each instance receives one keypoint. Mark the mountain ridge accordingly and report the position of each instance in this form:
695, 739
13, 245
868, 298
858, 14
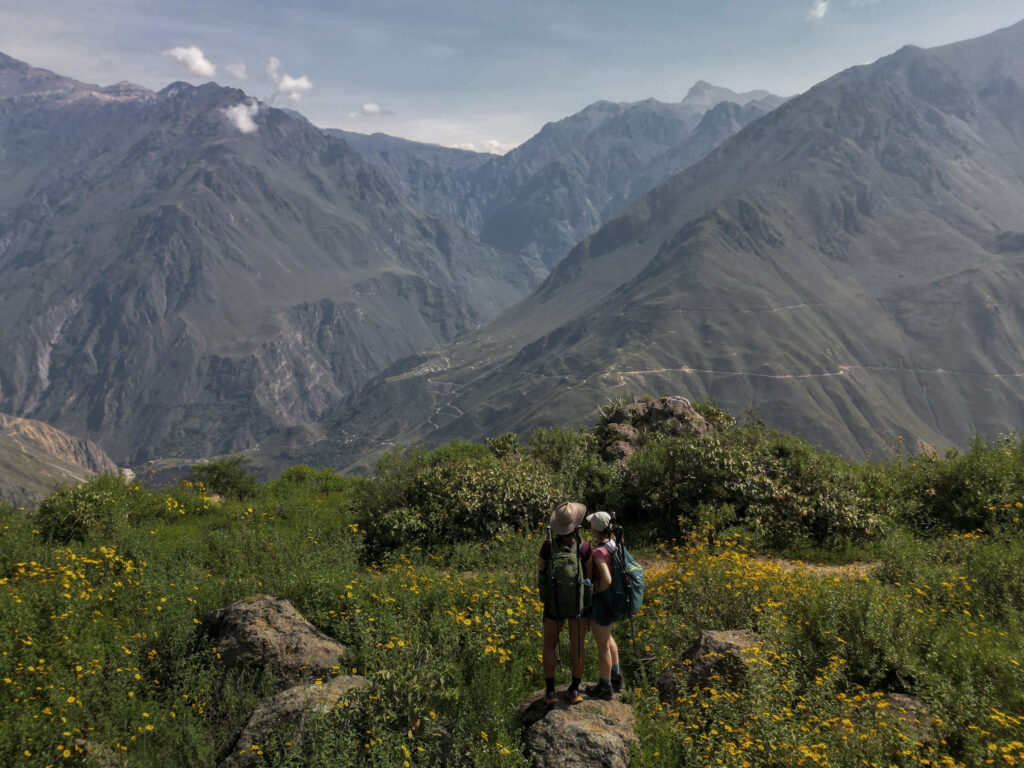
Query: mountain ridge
542, 197
848, 264
180, 286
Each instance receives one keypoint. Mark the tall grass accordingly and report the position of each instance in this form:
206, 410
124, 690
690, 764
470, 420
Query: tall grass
102, 588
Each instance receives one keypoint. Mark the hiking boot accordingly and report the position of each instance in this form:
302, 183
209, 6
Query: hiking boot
550, 697
616, 683
573, 696
601, 690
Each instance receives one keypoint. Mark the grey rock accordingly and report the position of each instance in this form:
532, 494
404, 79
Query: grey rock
725, 652
265, 632
628, 425
912, 716
96, 755
621, 432
290, 708
619, 451
596, 733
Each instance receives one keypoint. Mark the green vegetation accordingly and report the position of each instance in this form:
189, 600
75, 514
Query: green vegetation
426, 572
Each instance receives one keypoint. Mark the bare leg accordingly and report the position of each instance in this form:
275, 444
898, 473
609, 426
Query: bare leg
607, 650
551, 630
577, 635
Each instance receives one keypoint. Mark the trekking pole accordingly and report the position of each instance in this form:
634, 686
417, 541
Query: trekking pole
579, 599
551, 578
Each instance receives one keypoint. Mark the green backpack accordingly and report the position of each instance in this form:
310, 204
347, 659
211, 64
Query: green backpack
566, 593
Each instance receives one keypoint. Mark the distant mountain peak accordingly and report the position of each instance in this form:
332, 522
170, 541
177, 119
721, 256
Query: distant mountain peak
29, 84
704, 95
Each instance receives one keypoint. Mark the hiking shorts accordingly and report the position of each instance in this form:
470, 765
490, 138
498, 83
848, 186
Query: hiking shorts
600, 613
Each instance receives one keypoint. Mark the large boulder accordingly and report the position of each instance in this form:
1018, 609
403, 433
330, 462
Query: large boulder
289, 708
626, 428
265, 632
726, 652
594, 734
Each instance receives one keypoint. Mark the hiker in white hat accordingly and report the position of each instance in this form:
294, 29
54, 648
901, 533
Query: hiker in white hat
602, 618
563, 578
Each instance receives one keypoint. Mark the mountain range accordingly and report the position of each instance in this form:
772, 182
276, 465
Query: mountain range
553, 190
850, 264
182, 270
190, 272
185, 272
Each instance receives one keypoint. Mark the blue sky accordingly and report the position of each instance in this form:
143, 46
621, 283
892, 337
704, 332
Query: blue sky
484, 74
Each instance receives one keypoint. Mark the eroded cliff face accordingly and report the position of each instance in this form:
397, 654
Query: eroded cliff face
73, 450
34, 457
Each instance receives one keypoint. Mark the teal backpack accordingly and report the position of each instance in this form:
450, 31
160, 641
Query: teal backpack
625, 596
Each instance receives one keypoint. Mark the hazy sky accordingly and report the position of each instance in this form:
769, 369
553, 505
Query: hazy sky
485, 74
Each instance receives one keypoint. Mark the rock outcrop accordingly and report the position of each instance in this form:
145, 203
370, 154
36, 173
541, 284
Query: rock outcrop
265, 632
911, 715
628, 425
289, 708
94, 755
594, 734
725, 652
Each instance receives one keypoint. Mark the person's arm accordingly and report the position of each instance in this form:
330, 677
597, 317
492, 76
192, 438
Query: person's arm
603, 574
542, 575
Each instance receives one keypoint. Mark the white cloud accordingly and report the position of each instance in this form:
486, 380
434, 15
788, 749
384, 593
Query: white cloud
370, 109
194, 60
274, 68
238, 70
818, 10
241, 115
487, 145
293, 88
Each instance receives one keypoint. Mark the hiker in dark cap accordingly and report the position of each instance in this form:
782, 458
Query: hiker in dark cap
563, 575
602, 619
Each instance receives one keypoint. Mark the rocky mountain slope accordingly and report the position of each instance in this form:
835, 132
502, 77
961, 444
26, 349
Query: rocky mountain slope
34, 457
181, 271
850, 264
544, 196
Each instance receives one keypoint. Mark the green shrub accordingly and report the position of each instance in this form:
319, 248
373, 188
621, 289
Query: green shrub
778, 484
504, 446
304, 478
430, 499
670, 477
104, 502
980, 489
814, 495
572, 455
227, 477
